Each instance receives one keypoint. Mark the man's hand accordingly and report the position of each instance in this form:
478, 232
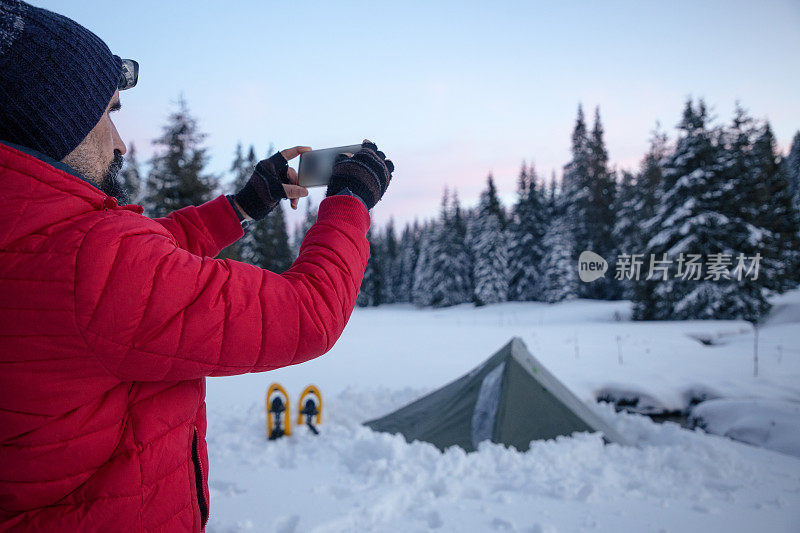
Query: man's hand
293, 191
244, 216
271, 181
366, 174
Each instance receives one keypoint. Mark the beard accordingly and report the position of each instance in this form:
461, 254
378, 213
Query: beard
111, 183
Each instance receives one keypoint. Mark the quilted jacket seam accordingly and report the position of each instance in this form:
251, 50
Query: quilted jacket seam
182, 509
211, 242
229, 209
91, 476
299, 322
202, 230
90, 472
226, 318
147, 302
17, 412
169, 356
165, 475
111, 269
39, 335
36, 252
156, 393
141, 477
342, 233
75, 300
67, 280
78, 504
311, 312
61, 441
51, 310
182, 312
83, 502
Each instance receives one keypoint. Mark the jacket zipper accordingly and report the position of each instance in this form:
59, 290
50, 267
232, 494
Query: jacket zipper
198, 477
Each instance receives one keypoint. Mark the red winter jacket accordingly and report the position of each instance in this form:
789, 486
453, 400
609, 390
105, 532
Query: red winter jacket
109, 323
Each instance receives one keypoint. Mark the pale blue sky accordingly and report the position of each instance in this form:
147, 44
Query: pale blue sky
450, 90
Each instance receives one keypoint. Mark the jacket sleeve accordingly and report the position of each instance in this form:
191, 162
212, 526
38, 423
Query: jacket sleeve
152, 311
206, 229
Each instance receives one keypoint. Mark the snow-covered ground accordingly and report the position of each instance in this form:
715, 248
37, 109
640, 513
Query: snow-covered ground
353, 479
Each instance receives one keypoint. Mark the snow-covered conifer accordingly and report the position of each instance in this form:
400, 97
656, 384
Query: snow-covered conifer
694, 221
449, 260
422, 285
558, 278
488, 243
407, 259
177, 176
370, 292
526, 230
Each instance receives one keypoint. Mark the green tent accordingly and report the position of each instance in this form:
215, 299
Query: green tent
510, 399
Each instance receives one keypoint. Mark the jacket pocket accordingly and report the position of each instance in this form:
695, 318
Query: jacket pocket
198, 480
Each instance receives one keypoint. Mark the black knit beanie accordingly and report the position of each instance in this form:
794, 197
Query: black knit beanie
56, 79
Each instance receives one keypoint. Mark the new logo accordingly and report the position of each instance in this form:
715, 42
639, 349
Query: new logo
591, 266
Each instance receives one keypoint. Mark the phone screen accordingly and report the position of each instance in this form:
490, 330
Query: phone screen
316, 166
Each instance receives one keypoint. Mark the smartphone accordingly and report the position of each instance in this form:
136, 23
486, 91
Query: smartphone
316, 166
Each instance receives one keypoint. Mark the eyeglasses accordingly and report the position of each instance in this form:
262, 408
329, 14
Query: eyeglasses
130, 74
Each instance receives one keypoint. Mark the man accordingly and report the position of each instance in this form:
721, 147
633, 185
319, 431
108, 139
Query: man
110, 321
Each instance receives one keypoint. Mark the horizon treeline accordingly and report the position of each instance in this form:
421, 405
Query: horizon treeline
708, 226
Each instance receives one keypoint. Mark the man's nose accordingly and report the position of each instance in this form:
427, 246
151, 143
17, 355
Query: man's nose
118, 142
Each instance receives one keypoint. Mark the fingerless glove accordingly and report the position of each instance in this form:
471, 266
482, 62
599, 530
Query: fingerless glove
366, 174
264, 189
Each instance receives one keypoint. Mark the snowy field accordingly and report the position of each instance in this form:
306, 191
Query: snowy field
352, 479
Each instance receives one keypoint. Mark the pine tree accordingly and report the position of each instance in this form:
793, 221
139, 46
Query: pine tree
576, 196
599, 212
636, 203
449, 262
265, 243
241, 170
369, 293
389, 285
130, 176
407, 259
461, 252
494, 205
588, 193
550, 195
757, 198
694, 220
648, 186
626, 228
776, 214
790, 168
488, 243
558, 278
624, 205
527, 227
422, 285
177, 178
576, 172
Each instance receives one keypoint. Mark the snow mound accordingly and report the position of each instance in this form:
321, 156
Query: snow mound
772, 424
